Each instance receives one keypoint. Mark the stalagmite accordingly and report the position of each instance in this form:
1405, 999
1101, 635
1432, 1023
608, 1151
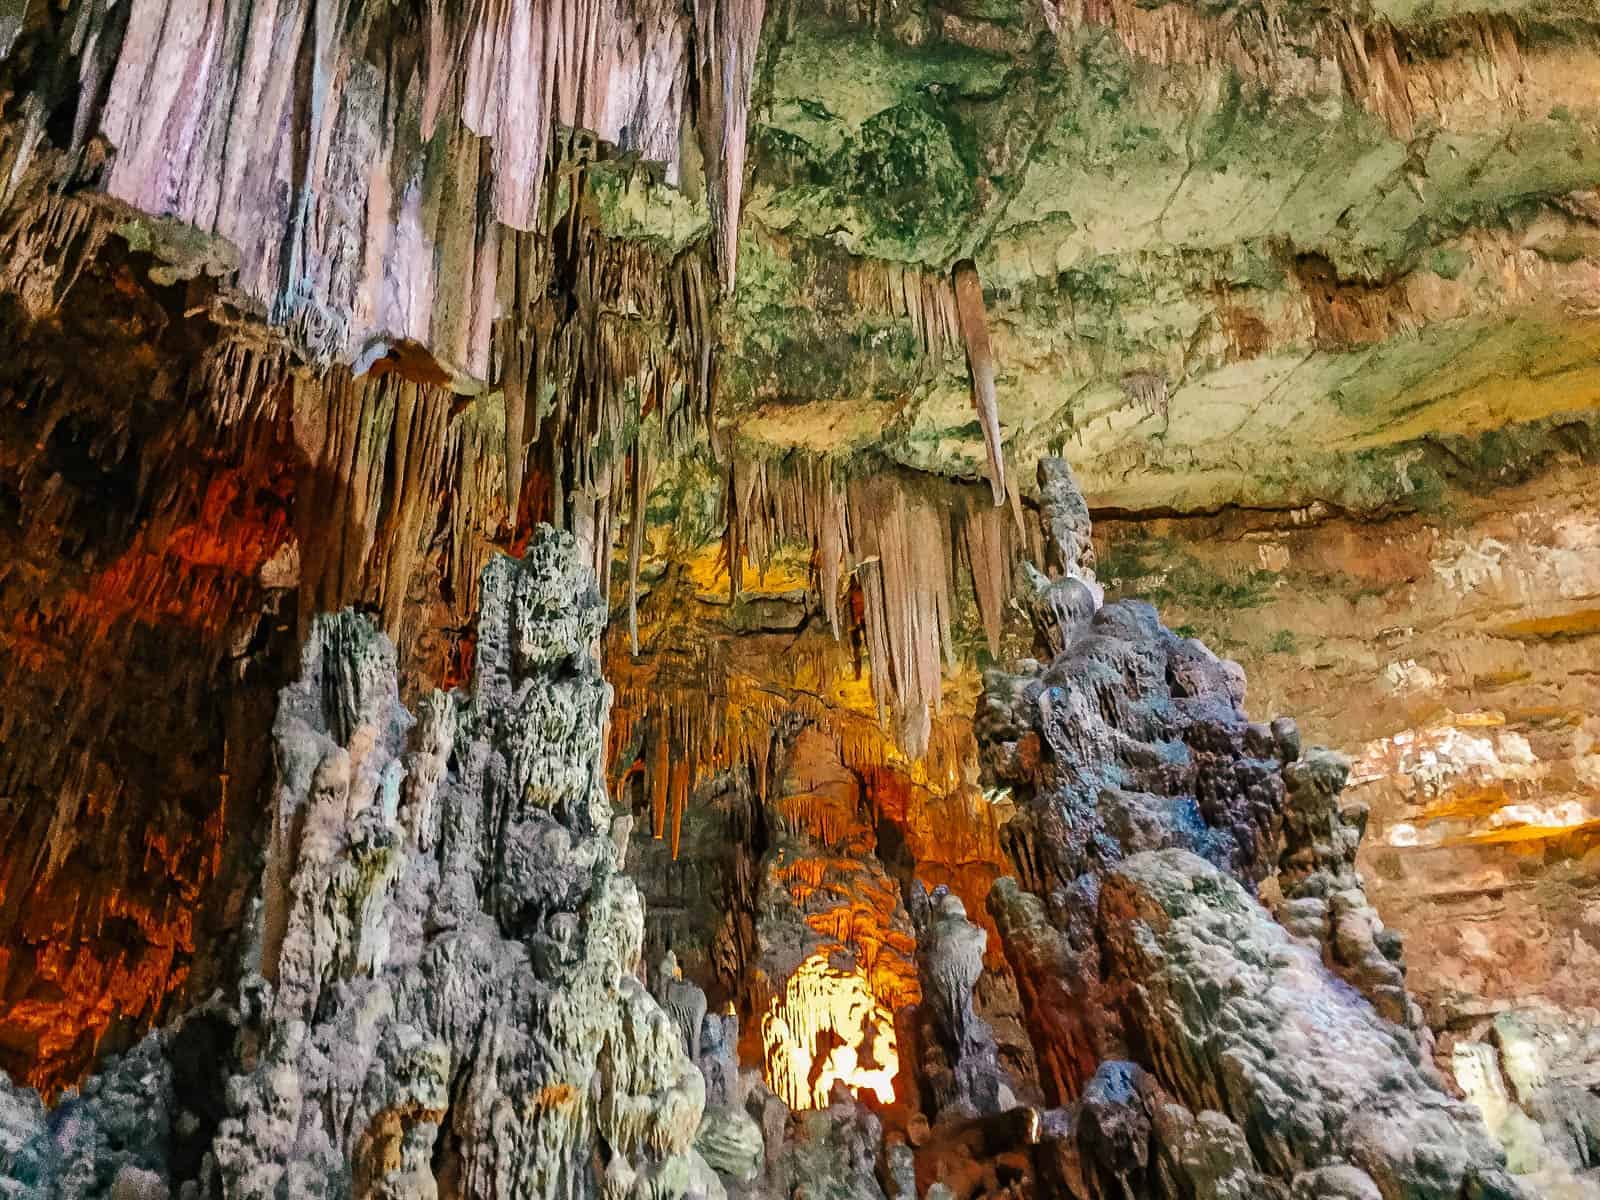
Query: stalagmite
343, 338
980, 358
960, 1062
418, 912
1324, 897
1186, 1035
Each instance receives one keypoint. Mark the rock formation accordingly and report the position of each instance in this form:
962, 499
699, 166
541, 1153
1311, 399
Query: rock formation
453, 994
960, 1062
1195, 1047
442, 996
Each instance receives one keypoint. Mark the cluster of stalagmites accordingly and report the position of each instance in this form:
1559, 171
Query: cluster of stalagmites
1199, 1047
445, 996
443, 999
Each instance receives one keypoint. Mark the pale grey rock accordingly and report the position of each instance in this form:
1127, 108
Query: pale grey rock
1324, 898
902, 1171
448, 992
830, 1154
1239, 1017
960, 1060
1061, 603
1535, 1077
731, 1143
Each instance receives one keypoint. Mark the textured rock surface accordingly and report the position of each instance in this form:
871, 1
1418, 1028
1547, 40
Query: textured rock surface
447, 983
1235, 1018
1323, 895
1447, 656
1195, 1044
1199, 234
288, 315
320, 304
109, 1142
959, 1058
833, 961
441, 995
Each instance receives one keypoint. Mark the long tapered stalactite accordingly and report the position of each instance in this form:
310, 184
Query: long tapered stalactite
368, 162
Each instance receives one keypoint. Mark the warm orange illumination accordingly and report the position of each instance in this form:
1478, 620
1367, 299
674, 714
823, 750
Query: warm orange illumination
828, 1028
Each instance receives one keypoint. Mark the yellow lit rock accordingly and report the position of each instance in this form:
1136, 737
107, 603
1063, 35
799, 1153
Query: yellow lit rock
827, 1028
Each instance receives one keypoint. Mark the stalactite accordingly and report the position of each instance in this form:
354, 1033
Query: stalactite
991, 550
980, 358
367, 209
924, 298
907, 541
639, 479
727, 36
908, 592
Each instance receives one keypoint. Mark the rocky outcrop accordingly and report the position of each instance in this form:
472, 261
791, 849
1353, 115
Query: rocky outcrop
1534, 1076
111, 1141
1446, 655
287, 312
1195, 1045
1236, 1019
447, 979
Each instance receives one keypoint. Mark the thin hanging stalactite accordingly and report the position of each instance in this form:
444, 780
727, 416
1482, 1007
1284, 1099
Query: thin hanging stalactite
640, 471
980, 358
727, 37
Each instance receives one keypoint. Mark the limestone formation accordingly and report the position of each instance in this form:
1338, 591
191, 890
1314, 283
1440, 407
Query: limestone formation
1194, 1045
959, 1057
1324, 897
834, 954
1059, 603
1261, 1033
917, 856
111, 1141
442, 994
447, 976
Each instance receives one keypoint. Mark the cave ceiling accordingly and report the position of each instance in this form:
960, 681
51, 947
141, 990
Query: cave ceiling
1233, 254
